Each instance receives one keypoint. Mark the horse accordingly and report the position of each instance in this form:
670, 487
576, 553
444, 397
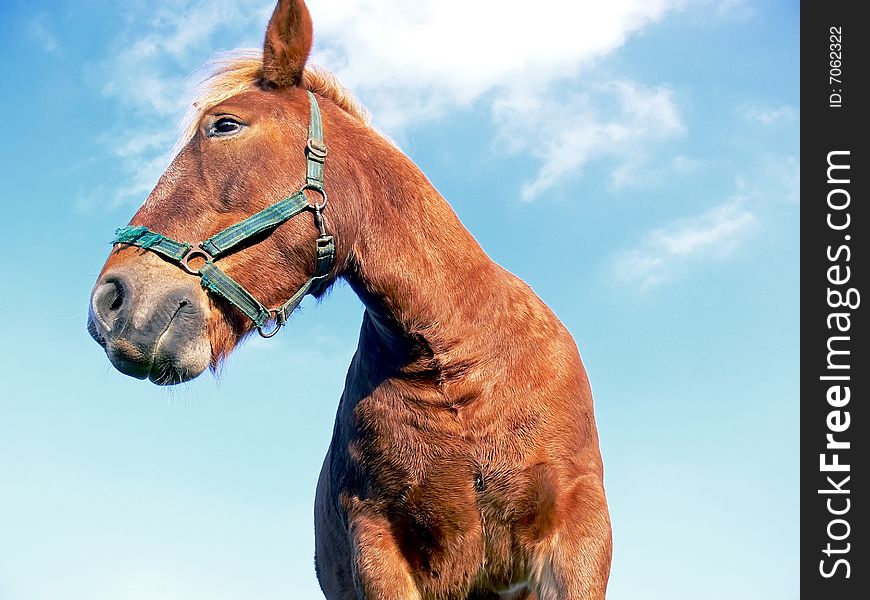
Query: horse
464, 461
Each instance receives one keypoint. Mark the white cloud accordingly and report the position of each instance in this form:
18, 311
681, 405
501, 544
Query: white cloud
665, 252
415, 62
612, 119
715, 234
438, 54
768, 115
40, 32
150, 75
775, 181
412, 63
636, 174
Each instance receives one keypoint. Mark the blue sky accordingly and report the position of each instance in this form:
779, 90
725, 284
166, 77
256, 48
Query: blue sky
653, 146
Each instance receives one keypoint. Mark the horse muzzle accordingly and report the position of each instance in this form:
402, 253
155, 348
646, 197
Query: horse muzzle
151, 328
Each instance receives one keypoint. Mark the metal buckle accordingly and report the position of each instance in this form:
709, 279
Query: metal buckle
195, 251
317, 150
323, 242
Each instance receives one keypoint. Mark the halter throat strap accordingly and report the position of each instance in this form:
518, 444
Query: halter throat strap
216, 280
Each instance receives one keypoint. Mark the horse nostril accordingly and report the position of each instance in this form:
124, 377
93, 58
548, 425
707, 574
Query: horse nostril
118, 301
108, 301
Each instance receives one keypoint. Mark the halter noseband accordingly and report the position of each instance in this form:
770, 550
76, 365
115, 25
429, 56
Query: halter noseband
214, 279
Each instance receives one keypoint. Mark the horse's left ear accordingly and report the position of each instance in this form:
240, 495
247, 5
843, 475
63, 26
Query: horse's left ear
287, 45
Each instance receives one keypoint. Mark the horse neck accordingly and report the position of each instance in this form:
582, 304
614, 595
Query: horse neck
425, 281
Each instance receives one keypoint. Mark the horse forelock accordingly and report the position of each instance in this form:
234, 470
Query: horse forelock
242, 70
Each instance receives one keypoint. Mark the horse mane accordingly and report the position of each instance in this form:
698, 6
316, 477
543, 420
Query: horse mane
242, 70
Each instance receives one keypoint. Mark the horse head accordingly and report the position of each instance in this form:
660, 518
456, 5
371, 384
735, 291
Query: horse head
245, 151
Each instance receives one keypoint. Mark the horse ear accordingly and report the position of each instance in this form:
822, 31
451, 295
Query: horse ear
288, 42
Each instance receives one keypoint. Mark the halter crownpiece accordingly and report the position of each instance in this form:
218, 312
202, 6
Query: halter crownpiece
216, 280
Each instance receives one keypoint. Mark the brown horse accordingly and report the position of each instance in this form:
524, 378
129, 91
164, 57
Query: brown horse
464, 461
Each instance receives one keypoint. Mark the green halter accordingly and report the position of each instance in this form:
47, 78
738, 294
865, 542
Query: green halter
218, 281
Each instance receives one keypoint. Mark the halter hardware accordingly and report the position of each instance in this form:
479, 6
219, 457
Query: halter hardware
323, 197
317, 150
216, 280
195, 251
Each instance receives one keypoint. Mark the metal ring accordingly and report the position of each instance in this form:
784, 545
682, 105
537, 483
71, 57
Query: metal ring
319, 190
194, 252
264, 334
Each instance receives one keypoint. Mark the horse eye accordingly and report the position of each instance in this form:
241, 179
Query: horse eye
223, 127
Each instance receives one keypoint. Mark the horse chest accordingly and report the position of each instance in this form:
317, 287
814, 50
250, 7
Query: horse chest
454, 483
439, 476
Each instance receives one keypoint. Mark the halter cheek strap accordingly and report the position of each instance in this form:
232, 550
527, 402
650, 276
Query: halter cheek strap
215, 279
